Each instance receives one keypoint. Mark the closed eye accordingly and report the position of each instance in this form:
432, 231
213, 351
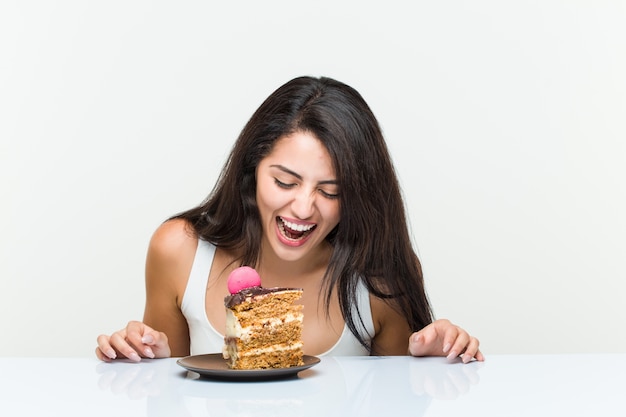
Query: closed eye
326, 194
329, 195
282, 184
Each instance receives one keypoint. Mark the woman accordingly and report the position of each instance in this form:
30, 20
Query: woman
309, 198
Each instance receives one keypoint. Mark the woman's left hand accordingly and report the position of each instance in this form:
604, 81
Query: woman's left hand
442, 338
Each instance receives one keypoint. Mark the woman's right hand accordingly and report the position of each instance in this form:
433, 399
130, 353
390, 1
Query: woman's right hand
137, 340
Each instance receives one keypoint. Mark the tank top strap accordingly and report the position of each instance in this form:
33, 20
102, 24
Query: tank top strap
203, 337
348, 345
365, 325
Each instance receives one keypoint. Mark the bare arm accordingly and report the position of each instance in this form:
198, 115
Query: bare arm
392, 329
168, 263
164, 330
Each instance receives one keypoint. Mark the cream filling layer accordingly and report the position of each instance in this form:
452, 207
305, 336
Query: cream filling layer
276, 348
234, 329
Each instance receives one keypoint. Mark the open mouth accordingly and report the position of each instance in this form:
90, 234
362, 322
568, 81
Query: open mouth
293, 231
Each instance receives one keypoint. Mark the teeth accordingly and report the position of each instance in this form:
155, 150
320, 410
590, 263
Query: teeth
297, 227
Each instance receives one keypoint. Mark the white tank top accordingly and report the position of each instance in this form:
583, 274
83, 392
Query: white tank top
204, 338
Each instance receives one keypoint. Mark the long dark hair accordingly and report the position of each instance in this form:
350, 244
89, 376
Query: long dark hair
371, 241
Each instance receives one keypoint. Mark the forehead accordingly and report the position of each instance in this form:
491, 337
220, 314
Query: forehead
301, 151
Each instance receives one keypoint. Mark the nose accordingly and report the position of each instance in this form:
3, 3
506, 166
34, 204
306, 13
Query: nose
303, 204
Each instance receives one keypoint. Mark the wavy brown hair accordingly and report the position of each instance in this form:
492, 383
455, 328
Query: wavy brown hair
371, 241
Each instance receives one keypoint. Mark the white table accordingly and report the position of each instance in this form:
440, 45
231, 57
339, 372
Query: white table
504, 385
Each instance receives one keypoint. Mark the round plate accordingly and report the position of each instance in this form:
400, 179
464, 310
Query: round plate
213, 365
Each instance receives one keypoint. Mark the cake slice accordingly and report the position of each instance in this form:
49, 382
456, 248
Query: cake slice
263, 325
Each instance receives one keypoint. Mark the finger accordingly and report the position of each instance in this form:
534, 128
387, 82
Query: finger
146, 341
459, 345
123, 347
102, 356
140, 336
417, 344
152, 343
471, 350
421, 342
157, 342
105, 351
450, 338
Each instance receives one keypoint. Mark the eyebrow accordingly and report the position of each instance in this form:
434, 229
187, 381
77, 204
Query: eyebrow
298, 176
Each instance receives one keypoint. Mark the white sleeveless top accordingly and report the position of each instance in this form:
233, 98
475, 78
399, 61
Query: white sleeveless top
205, 338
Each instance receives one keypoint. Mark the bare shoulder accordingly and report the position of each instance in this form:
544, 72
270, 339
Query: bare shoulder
173, 236
170, 255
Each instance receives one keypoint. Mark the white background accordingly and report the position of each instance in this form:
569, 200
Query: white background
506, 121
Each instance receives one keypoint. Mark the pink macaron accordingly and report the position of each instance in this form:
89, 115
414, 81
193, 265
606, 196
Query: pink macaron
243, 277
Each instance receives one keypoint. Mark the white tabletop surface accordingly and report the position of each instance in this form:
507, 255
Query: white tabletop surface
504, 385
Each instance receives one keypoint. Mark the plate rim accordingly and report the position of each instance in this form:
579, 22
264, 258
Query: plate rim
227, 373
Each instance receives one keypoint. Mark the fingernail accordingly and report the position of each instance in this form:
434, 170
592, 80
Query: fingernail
147, 339
446, 348
452, 354
148, 352
111, 353
134, 357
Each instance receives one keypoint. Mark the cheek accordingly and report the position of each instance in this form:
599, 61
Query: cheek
331, 213
267, 199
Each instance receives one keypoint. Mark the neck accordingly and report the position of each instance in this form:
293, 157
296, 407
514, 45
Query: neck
278, 272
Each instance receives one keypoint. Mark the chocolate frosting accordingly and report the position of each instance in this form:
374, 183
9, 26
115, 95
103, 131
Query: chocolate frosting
240, 297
